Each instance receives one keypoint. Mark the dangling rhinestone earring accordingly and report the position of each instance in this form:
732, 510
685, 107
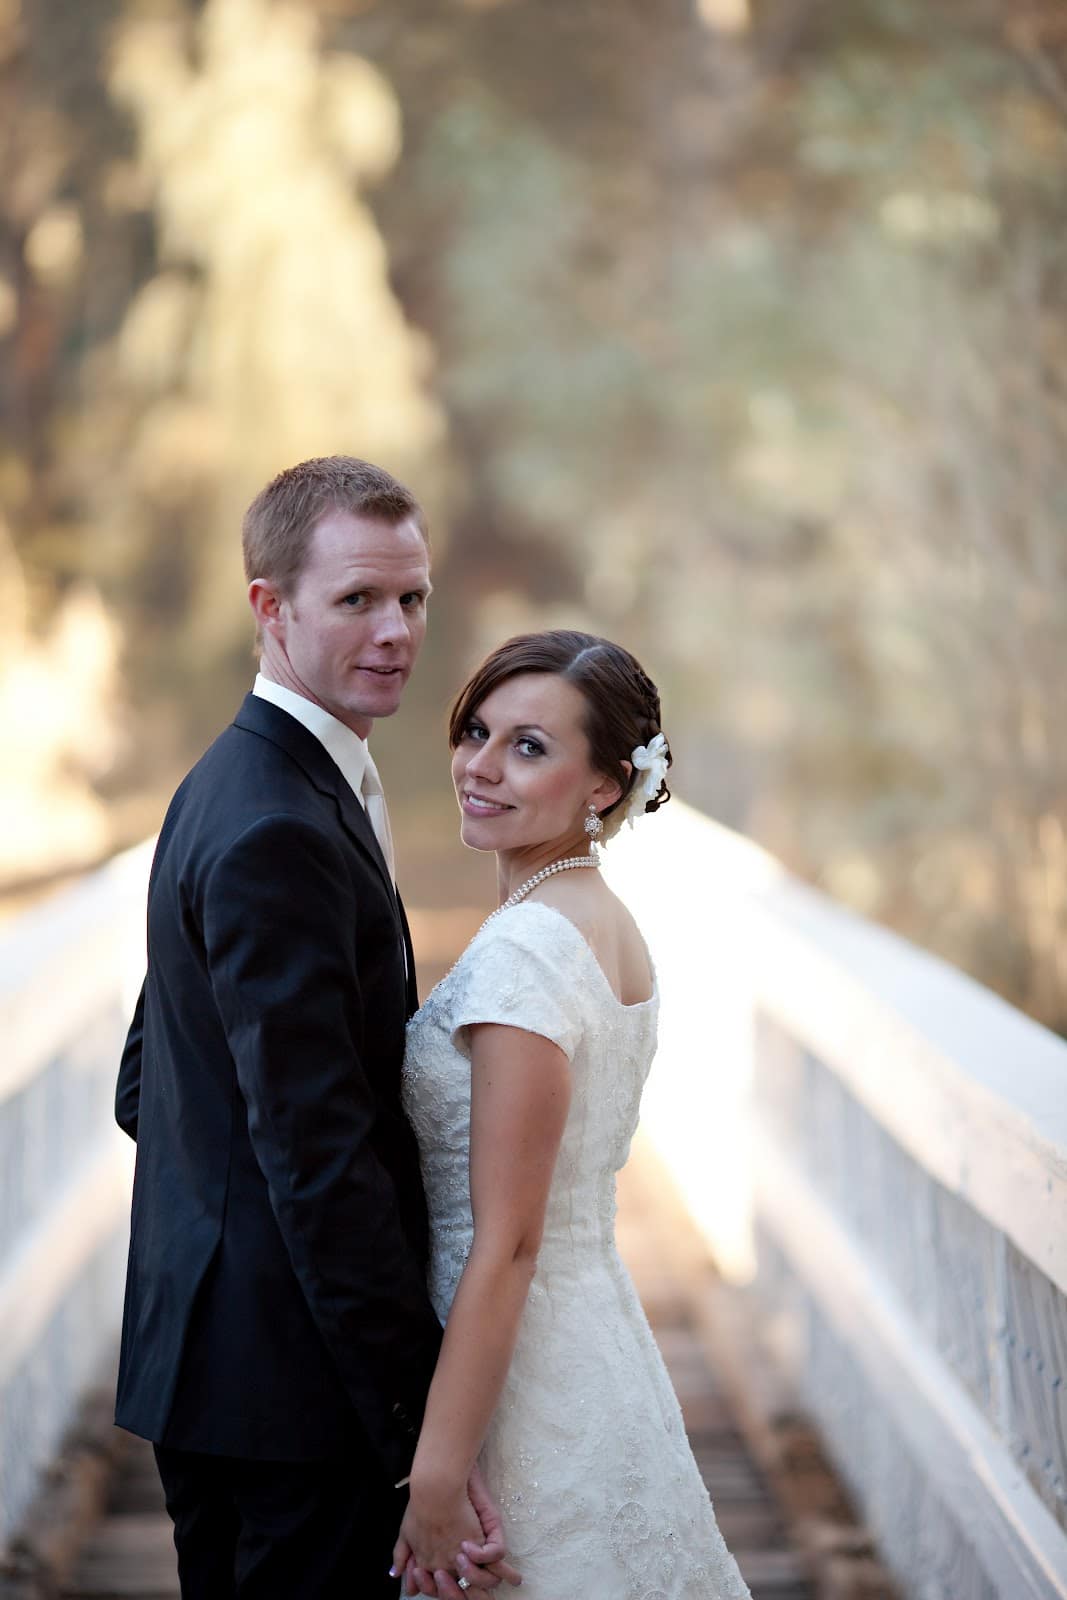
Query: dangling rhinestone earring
593, 825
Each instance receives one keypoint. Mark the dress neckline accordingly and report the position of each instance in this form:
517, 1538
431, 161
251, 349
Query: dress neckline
539, 905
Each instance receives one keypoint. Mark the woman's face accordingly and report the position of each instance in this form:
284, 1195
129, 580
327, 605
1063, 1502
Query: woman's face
522, 769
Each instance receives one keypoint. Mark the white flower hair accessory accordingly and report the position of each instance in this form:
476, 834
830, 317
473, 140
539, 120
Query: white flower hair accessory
650, 760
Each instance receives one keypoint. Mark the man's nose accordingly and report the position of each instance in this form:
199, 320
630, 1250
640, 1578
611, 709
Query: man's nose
390, 623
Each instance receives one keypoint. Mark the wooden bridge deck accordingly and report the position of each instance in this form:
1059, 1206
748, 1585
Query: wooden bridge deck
780, 1509
129, 1552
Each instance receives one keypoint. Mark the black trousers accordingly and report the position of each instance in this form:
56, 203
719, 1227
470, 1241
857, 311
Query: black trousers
280, 1530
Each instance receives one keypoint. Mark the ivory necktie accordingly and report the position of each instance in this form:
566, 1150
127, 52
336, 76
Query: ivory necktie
377, 815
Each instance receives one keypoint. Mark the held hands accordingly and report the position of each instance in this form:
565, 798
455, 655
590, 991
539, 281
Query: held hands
449, 1530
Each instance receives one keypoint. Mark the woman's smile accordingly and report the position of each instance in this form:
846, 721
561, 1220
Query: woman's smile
477, 805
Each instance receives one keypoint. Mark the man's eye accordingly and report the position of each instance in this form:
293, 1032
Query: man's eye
353, 600
412, 601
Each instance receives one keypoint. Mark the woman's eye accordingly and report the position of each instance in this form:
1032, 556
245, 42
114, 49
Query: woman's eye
531, 747
476, 732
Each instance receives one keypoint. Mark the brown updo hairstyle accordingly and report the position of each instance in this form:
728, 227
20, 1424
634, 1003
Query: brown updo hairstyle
622, 707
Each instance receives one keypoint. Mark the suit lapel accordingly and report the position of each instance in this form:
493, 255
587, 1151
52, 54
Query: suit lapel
409, 953
271, 722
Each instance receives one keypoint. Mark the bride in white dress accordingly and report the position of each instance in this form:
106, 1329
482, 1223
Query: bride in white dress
523, 1081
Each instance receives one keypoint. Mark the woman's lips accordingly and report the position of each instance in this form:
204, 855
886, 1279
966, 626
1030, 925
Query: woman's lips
474, 806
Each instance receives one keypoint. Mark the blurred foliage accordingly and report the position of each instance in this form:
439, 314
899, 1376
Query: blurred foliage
736, 331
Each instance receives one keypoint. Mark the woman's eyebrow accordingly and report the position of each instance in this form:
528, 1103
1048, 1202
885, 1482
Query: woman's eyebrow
519, 727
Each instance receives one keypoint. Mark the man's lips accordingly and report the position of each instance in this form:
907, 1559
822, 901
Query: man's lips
381, 672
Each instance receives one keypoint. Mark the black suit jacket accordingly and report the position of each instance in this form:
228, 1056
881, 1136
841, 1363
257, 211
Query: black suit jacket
275, 1303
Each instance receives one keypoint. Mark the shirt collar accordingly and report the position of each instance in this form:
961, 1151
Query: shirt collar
346, 748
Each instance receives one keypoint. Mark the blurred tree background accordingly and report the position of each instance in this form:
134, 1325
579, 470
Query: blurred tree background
734, 330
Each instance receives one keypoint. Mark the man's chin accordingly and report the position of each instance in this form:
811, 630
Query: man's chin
381, 691
387, 708
372, 711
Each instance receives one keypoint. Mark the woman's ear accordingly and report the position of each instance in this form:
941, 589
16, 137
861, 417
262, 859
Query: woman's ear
608, 790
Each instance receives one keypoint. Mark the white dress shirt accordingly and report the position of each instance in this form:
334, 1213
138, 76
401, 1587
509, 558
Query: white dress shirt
345, 748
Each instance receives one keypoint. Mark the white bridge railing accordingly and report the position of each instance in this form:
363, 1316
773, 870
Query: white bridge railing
879, 1146
65, 977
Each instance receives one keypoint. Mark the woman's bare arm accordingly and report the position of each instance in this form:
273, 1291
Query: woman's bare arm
520, 1095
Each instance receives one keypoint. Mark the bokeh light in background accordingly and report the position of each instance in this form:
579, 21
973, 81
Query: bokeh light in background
735, 330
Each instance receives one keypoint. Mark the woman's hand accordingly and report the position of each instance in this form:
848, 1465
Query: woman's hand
438, 1521
489, 1553
480, 1561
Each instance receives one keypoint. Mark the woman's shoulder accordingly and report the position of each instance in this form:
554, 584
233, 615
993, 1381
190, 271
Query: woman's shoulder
530, 925
587, 902
582, 935
535, 939
523, 968
608, 929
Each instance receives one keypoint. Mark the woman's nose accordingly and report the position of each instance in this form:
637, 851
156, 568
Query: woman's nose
485, 764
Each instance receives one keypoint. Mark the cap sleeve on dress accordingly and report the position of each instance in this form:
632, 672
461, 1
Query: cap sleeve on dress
521, 971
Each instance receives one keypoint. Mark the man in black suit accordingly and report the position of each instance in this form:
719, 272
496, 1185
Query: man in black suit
278, 1341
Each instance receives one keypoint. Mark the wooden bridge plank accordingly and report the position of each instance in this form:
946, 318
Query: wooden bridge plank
130, 1555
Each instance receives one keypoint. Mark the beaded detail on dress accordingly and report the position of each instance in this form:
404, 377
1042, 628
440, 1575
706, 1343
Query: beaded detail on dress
587, 1450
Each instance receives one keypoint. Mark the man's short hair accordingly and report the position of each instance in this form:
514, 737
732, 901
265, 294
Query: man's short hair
278, 524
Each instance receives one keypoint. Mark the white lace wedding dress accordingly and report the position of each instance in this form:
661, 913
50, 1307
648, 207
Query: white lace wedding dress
587, 1452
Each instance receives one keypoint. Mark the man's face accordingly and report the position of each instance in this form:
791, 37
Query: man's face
348, 634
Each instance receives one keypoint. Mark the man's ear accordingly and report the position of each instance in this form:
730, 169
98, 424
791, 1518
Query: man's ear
266, 605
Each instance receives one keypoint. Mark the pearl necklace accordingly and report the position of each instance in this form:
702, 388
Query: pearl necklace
539, 877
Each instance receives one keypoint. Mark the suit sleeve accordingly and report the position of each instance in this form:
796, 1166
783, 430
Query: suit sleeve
279, 938
128, 1092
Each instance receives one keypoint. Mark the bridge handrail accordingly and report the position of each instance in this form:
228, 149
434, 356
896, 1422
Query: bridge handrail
880, 1145
67, 973
950, 1070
